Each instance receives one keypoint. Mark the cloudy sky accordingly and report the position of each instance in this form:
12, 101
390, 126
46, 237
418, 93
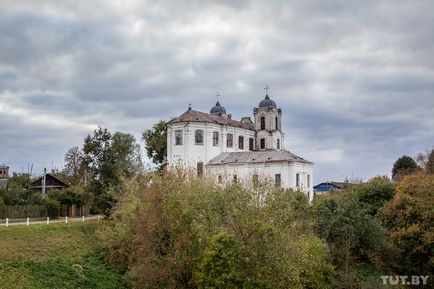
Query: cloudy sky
355, 79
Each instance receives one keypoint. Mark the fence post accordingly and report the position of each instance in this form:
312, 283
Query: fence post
48, 220
28, 221
7, 222
82, 218
66, 220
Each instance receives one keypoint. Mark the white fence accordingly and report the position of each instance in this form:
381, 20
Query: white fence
29, 221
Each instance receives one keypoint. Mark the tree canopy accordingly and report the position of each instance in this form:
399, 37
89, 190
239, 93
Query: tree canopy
156, 143
403, 166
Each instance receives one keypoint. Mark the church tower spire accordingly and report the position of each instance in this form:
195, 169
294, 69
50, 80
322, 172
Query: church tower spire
268, 124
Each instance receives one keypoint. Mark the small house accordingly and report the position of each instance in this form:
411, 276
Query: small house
51, 183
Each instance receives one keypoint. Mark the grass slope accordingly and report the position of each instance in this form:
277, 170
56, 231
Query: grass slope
42, 256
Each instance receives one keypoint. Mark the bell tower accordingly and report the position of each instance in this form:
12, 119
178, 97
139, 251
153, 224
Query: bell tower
268, 124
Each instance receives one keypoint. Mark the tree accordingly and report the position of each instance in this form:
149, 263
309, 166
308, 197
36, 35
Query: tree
429, 166
375, 193
156, 144
109, 158
125, 154
74, 168
409, 218
221, 265
17, 192
405, 165
351, 232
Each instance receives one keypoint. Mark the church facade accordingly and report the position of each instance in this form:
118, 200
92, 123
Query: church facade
242, 151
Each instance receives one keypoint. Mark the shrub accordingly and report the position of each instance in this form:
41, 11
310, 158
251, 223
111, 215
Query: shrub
186, 232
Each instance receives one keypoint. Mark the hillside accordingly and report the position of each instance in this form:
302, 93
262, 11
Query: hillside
54, 256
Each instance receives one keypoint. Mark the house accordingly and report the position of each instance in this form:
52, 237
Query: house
51, 182
326, 187
230, 150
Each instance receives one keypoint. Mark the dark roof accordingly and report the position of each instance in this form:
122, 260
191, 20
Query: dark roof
333, 185
267, 102
197, 116
57, 182
218, 109
268, 156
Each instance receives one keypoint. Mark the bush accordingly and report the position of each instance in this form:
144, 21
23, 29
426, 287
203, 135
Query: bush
53, 207
186, 232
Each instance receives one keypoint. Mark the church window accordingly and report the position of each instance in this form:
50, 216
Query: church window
241, 142
230, 140
251, 143
308, 180
262, 122
297, 180
276, 123
235, 178
198, 136
178, 137
262, 143
199, 169
277, 180
278, 144
215, 138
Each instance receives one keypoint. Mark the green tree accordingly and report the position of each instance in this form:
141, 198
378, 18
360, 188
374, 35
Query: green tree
17, 192
221, 266
125, 155
156, 144
409, 218
429, 166
74, 167
109, 158
405, 165
375, 193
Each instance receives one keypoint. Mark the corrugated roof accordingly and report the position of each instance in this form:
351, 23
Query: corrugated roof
197, 116
267, 156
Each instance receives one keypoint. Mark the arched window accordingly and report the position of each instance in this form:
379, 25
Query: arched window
276, 123
278, 144
215, 138
198, 136
262, 143
241, 142
262, 122
230, 140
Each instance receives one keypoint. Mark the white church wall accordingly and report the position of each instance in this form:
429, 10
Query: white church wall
266, 171
189, 153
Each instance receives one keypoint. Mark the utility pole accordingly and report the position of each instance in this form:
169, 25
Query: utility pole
43, 182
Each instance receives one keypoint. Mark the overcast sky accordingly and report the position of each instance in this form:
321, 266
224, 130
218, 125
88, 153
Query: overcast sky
355, 79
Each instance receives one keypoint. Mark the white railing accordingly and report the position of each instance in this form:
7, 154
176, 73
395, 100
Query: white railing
28, 221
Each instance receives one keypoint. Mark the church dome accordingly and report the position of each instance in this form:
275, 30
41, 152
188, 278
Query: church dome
218, 109
267, 102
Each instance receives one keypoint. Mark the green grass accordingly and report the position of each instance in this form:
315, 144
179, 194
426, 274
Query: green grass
42, 256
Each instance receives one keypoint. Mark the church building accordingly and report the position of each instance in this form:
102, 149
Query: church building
243, 151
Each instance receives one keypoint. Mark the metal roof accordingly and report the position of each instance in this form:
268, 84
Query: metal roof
268, 156
197, 116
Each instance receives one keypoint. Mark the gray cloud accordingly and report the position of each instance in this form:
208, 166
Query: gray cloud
355, 79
